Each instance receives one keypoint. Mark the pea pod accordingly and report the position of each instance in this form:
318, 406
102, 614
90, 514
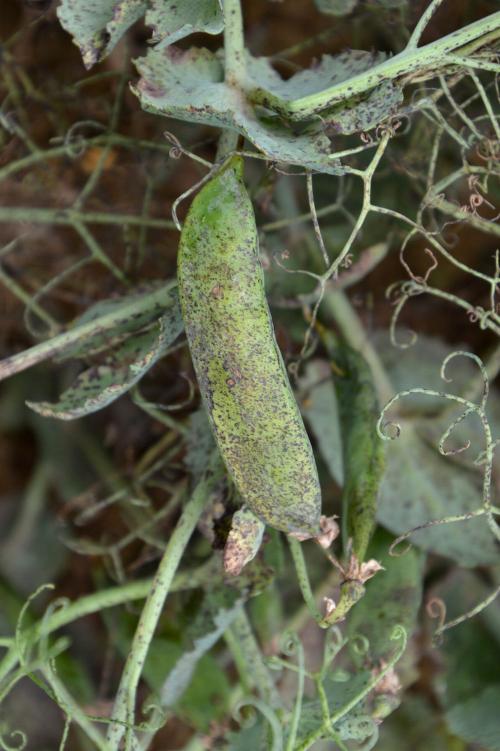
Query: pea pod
240, 371
363, 450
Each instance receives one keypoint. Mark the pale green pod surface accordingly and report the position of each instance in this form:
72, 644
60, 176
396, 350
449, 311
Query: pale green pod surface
242, 377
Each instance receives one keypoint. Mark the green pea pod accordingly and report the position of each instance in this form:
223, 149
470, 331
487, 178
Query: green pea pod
240, 371
363, 450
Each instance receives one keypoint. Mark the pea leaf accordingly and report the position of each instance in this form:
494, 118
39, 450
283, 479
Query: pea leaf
476, 720
173, 20
102, 384
189, 85
419, 366
97, 25
350, 116
471, 652
362, 114
116, 318
215, 617
420, 485
392, 598
355, 725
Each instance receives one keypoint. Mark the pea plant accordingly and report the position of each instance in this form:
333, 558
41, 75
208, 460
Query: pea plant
257, 359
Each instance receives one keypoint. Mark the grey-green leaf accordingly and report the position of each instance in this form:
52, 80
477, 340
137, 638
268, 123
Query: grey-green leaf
189, 85
100, 385
97, 25
118, 317
173, 20
420, 485
214, 625
476, 720
392, 598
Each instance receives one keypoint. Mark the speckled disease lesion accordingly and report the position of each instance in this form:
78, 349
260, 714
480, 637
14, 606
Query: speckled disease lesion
241, 374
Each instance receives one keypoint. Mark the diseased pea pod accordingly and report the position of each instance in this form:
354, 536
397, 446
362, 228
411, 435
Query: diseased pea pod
243, 381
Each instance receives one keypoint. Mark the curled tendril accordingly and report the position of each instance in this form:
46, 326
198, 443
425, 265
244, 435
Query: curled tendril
465, 617
360, 645
250, 718
415, 277
18, 746
480, 365
157, 719
397, 541
290, 643
448, 432
176, 151
334, 642
404, 292
74, 142
389, 430
398, 633
432, 523
436, 608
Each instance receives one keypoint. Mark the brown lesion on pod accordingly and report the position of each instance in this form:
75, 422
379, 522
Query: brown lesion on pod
235, 377
217, 291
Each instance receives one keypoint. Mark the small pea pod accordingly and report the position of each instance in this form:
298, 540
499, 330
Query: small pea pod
240, 371
362, 449
363, 462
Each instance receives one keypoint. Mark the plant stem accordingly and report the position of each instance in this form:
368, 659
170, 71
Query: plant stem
228, 142
303, 578
234, 43
68, 216
410, 60
423, 22
124, 707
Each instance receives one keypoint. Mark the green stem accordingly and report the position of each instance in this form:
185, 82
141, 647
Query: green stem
423, 22
124, 707
303, 579
464, 215
67, 216
411, 60
228, 142
234, 42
